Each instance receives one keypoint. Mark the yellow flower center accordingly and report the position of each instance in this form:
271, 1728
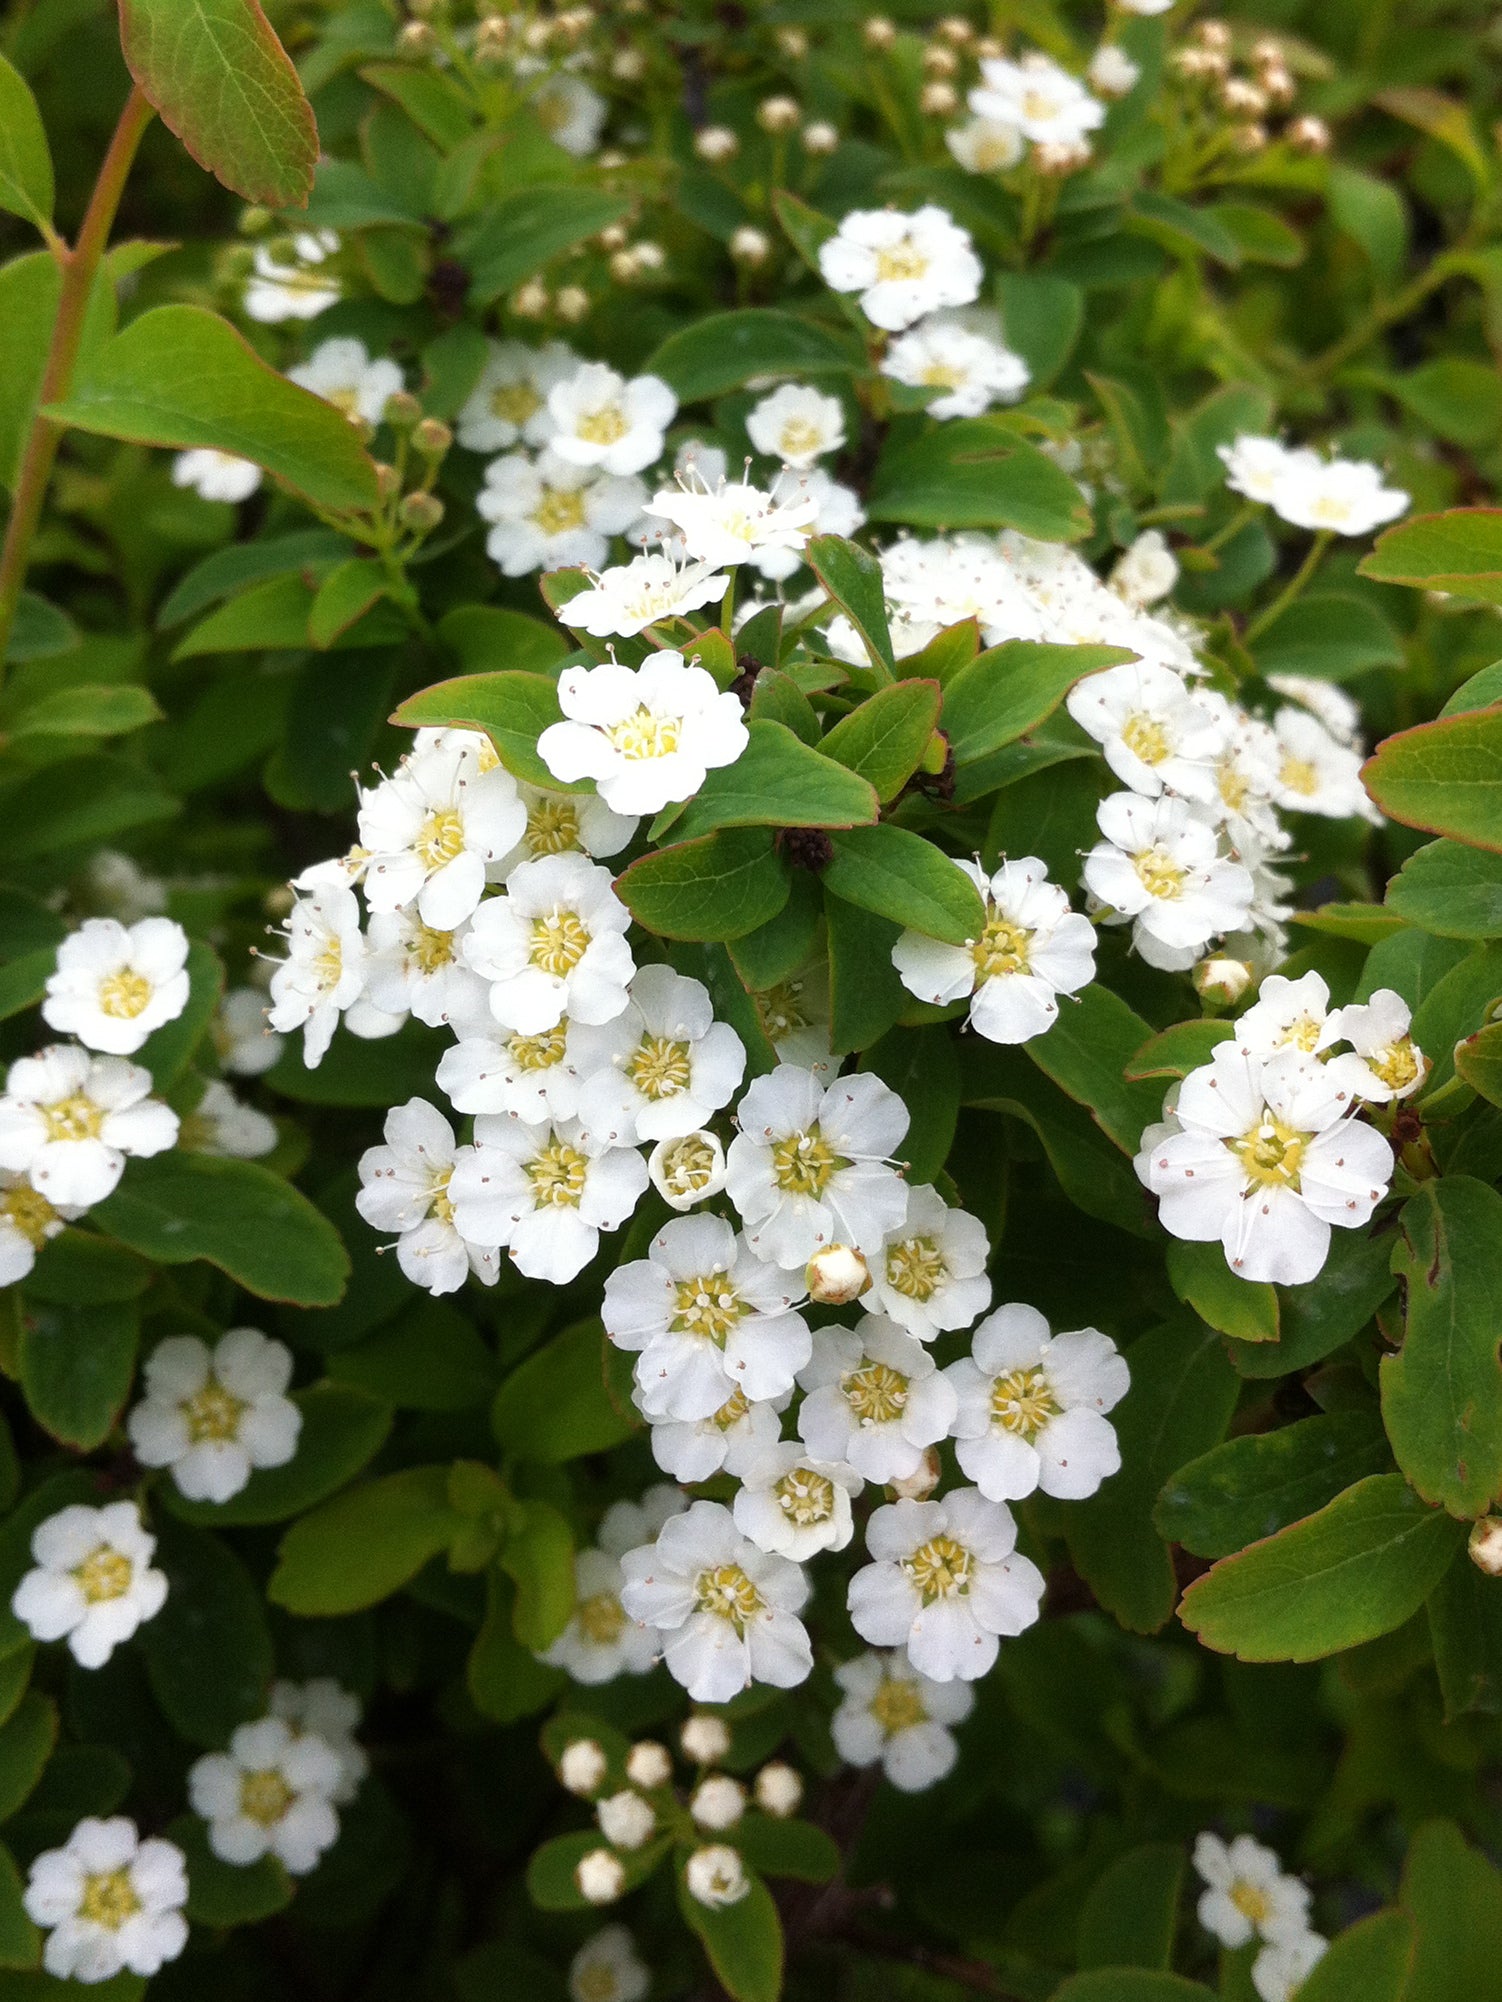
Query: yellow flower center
1023, 1402
440, 838
800, 435
604, 427
429, 950
1159, 874
688, 1166
941, 375
514, 402
780, 1010
1037, 104
125, 994
1146, 739
1299, 776
553, 827
104, 1574
73, 1118
732, 1411
992, 155
940, 1569
645, 735
345, 398
559, 509
599, 1983
265, 1796
557, 1176
875, 1392
1233, 785
916, 1268
109, 1899
440, 1204
1397, 1064
328, 967
659, 1067
1250, 1902
900, 261
805, 1497
212, 1413
898, 1706
559, 941
1271, 1153
728, 1593
601, 1617
1303, 1034
27, 1212
803, 1163
1002, 947
539, 1053
707, 1306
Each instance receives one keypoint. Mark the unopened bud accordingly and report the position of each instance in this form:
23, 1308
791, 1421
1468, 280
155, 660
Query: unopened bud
749, 245
1485, 1545
718, 1802
793, 43
1308, 135
255, 221
955, 28
432, 437
530, 301
582, 1766
612, 237
1236, 94
921, 1482
600, 1876
421, 513
779, 1790
779, 114
402, 410
1249, 138
649, 1764
572, 303
628, 65
939, 61
989, 49
388, 481
878, 32
1278, 83
837, 1275
1061, 156
1214, 35
704, 1739
715, 143
1222, 982
625, 267
716, 1875
649, 255
938, 100
416, 41
626, 1819
491, 37
820, 137
278, 902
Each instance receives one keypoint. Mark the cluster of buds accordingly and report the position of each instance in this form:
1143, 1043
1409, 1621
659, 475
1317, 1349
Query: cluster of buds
629, 261
648, 1805
423, 443
1249, 91
533, 301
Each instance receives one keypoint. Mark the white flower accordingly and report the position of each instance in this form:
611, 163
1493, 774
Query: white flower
1287, 1015
626, 1820
1247, 1895
606, 1969
875, 1399
1385, 1062
1335, 709
945, 1582
600, 1641
572, 115
68, 1121
1148, 571
321, 1706
245, 1046
625, 600
795, 1017
113, 987
122, 888
663, 1066
109, 1902
727, 1612
406, 1187
1143, 7
411, 968
795, 1505
1031, 1405
1266, 1159
903, 266
716, 1876
222, 1124
891, 1713
732, 1438
688, 1170
985, 146
837, 1275
551, 512
509, 403
811, 1166
963, 355
216, 476
93, 1582
565, 823
27, 1221
600, 1876
323, 973
836, 510
647, 735
1112, 72
705, 1318
1281, 1969
533, 1078
343, 373
553, 946
544, 1192
1160, 866
431, 829
797, 425
1032, 948
1046, 104
271, 1793
1316, 772
735, 522
718, 1802
213, 1415
278, 290
930, 1275
1256, 466
1155, 736
601, 419
1339, 496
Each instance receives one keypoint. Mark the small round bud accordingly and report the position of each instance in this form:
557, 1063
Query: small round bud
278, 902
715, 143
749, 245
1277, 81
938, 100
530, 301
1485, 1545
955, 28
1249, 138
820, 137
626, 1819
600, 1876
491, 38
1267, 49
939, 61
1061, 157
718, 1802
687, 1171
1222, 982
878, 32
716, 1875
582, 1766
779, 114
705, 1739
792, 43
421, 513
628, 65
921, 1482
416, 41
649, 255
1308, 134
425, 10
236, 262
1214, 35
613, 237
537, 34
432, 437
649, 1764
388, 481
779, 1790
1236, 94
989, 49
403, 410
624, 267
837, 1275
572, 303
255, 221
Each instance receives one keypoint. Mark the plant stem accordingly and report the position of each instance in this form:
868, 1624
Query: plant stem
1383, 314
1248, 511
1292, 588
79, 267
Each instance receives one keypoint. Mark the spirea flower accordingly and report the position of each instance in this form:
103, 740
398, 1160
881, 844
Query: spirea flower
985, 145
1384, 1062
297, 289
27, 1221
216, 476
716, 1876
565, 823
332, 1713
797, 425
271, 1794
731, 1439
628, 598
736, 522
92, 1582
550, 511
553, 947
930, 1275
343, 373
406, 1188
961, 354
1317, 773
114, 986
109, 1902
69, 1121
1281, 1969
1338, 496
433, 827
663, 1066
1247, 1895
1148, 571
212, 1415
891, 1715
795, 1505
688, 1170
1156, 737
225, 1125
244, 1044
607, 1969
601, 1640
601, 419
544, 1193
1031, 1407
875, 1399
1161, 866
323, 973
902, 266
1046, 104
509, 403
647, 735
534, 1078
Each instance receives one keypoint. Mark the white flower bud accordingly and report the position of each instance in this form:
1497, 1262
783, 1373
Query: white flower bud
1147, 572
938, 100
628, 65
649, 255
716, 1875
718, 1802
837, 1275
625, 266
955, 28
779, 114
1485, 1545
779, 1789
1222, 981
939, 61
819, 136
921, 1482
878, 32
688, 1170
649, 1764
572, 303
583, 1766
715, 143
1308, 135
749, 245
600, 1876
705, 1739
612, 237
626, 1819
793, 43
530, 301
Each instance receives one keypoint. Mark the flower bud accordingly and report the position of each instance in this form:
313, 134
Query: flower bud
1222, 982
1308, 135
1236, 94
255, 220
938, 100
1278, 83
779, 114
820, 137
705, 1739
715, 143
878, 32
1061, 156
403, 410
955, 28
626, 1819
600, 1876
939, 61
1214, 35
779, 1790
628, 65
688, 1170
649, 255
571, 304
432, 437
530, 301
388, 481
612, 237
792, 43
749, 245
421, 513
716, 1875
921, 1482
491, 37
989, 49
837, 1275
625, 267
416, 41
582, 1766
1249, 138
649, 1764
1485, 1545
718, 1802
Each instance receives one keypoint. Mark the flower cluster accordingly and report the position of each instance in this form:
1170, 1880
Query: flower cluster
1248, 1897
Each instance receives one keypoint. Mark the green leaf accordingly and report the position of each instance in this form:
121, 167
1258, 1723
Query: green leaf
1459, 400
78, 1270
1479, 1061
554, 1405
1202, 1279
487, 638
1372, 214
1331, 635
1317, 1318
1371, 1960
1130, 1984
1042, 316
513, 709
239, 1216
901, 876
718, 887
1253, 1486
77, 803
41, 631
1445, 777
1178, 225
366, 1544
787, 1848
1453, 1893
25, 161
1442, 1391
221, 80
430, 1359
1131, 1915
922, 1067
884, 739
1086, 1054
311, 552
181, 376
743, 1941
1182, 1395
1481, 691
76, 1368
1011, 689
778, 781
342, 1431
26, 1741
435, 104
343, 597
1460, 552
976, 472
20, 1941
208, 1651
853, 578
516, 238
865, 995
1465, 1627
724, 350
1177, 1051
1450, 889
538, 1557
1456, 1006
87, 710
227, 1894
778, 949
1261, 236
1358, 1568
23, 981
